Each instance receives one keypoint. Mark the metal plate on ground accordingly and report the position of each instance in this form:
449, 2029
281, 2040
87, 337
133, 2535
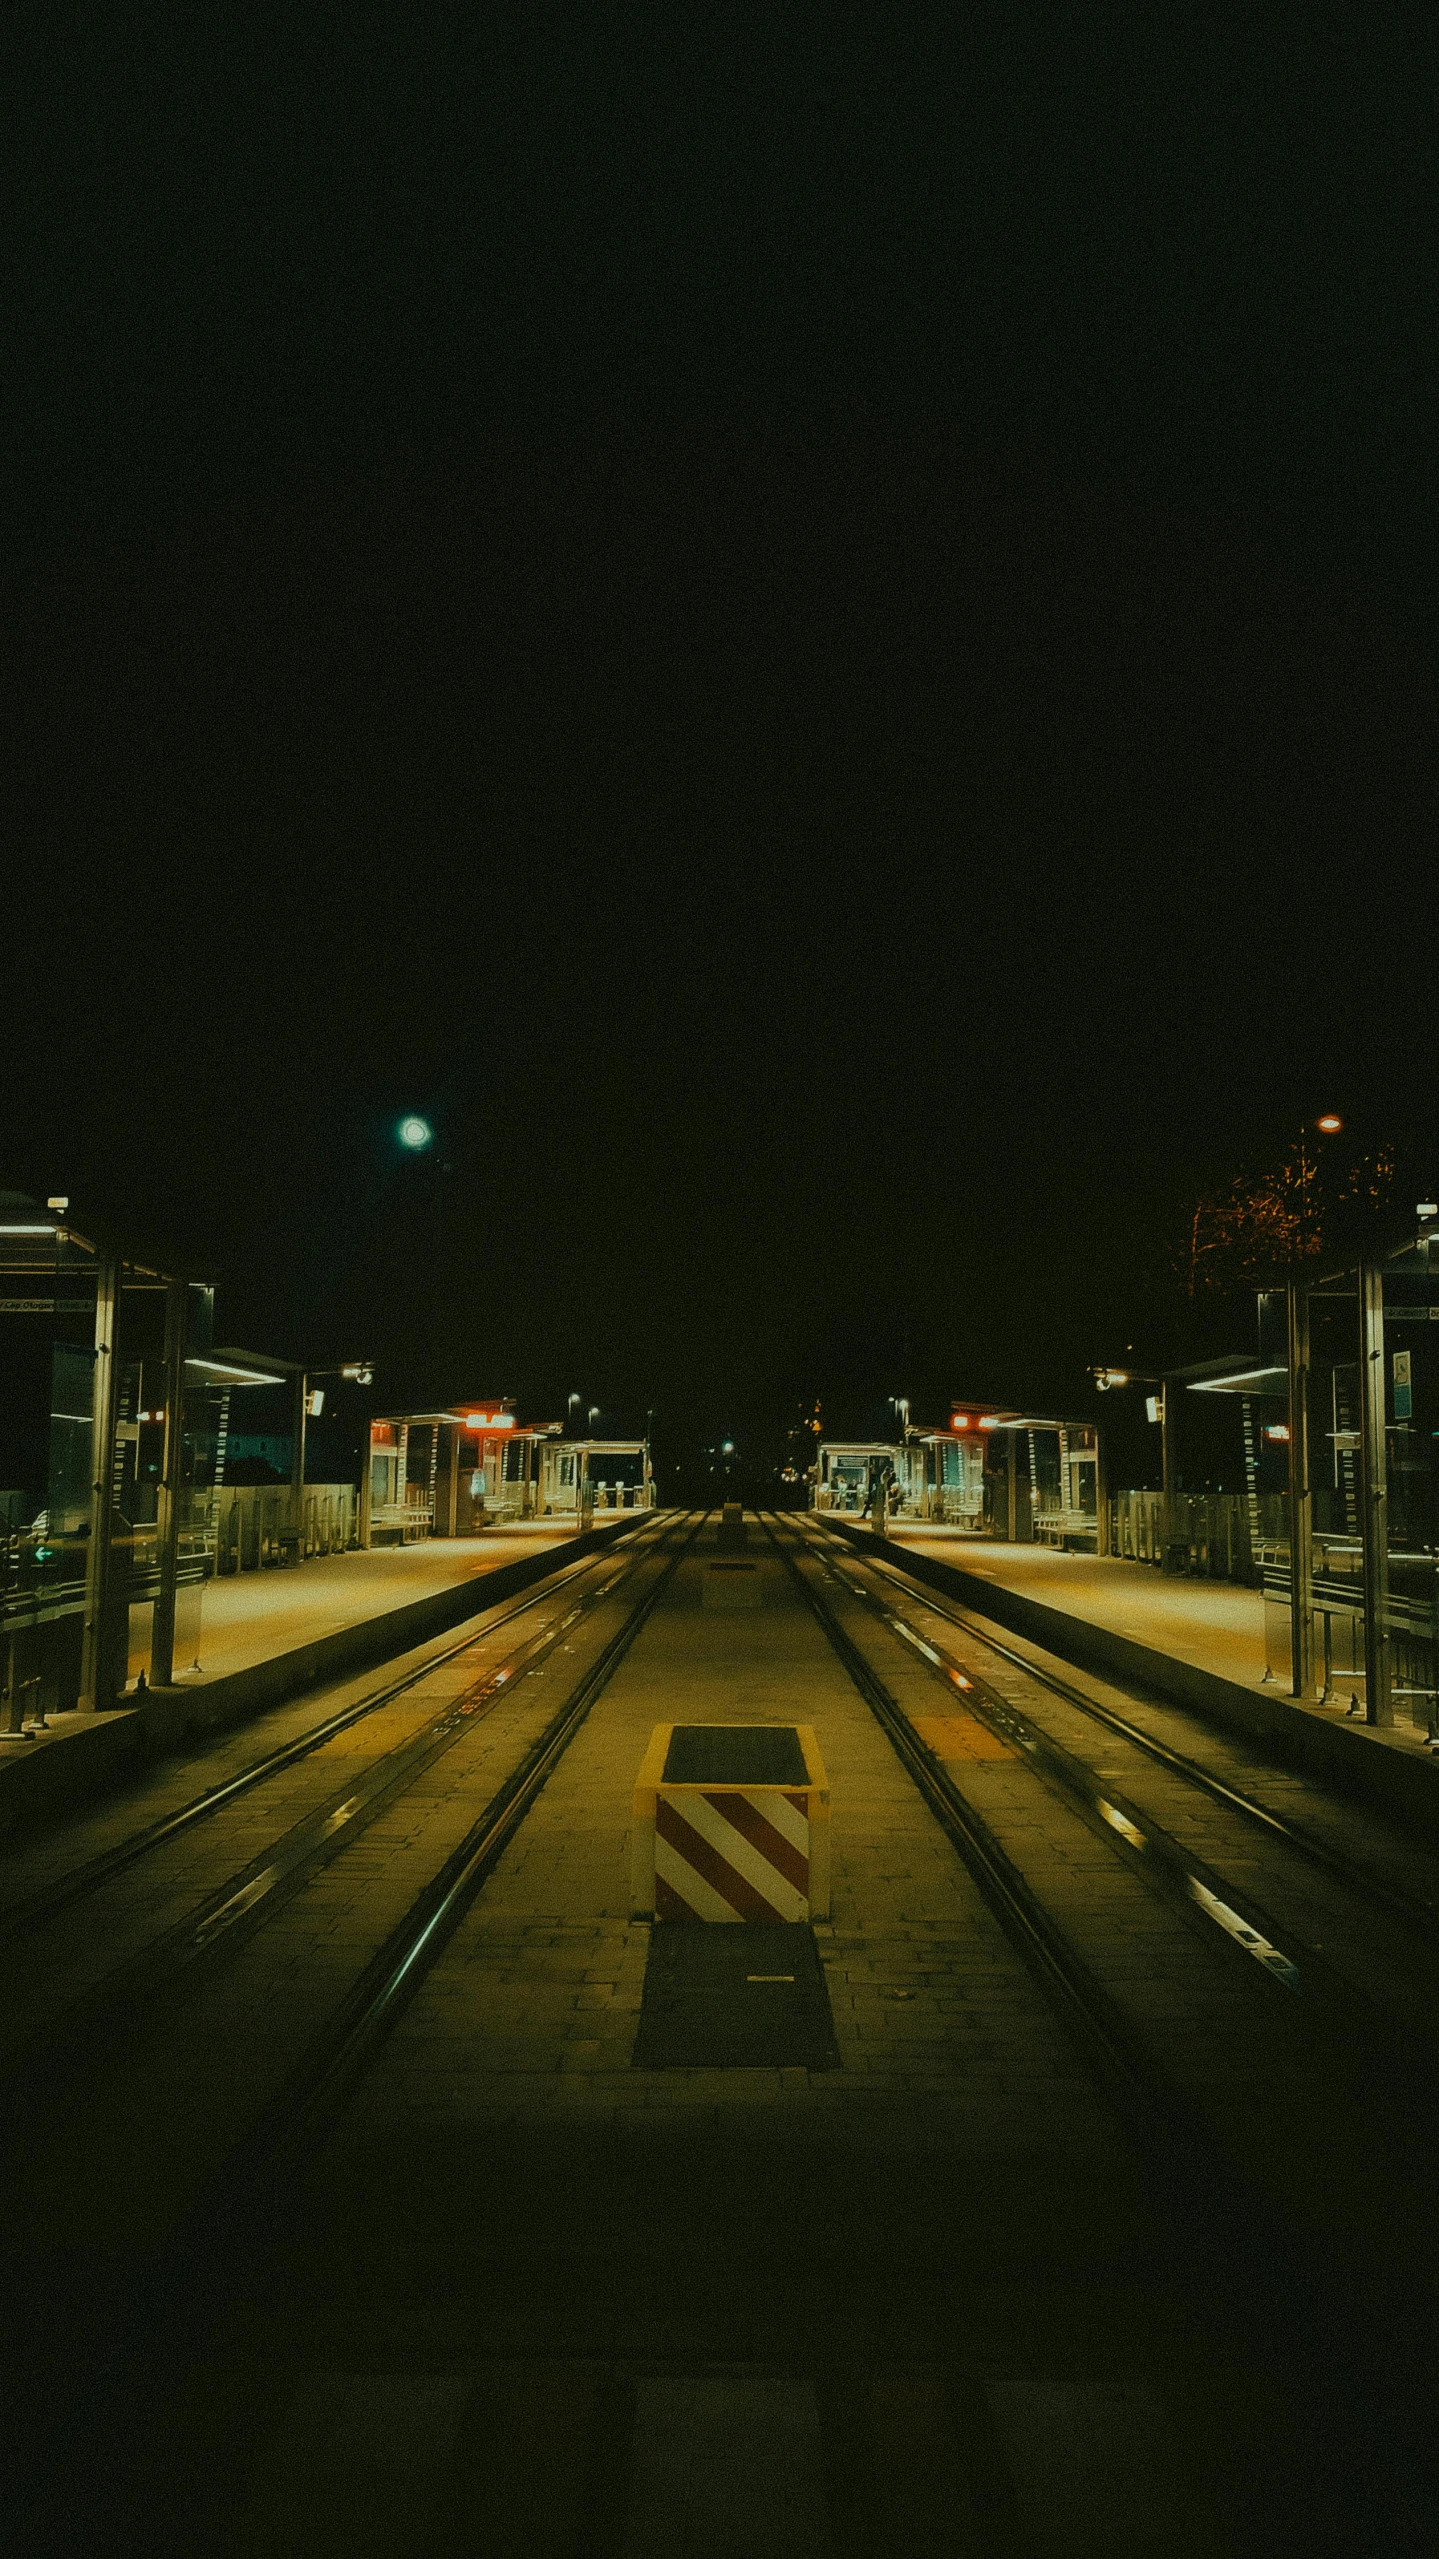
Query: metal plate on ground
752, 1997
734, 1755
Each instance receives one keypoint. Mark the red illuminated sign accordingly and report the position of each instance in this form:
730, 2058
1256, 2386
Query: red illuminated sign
960, 1422
489, 1421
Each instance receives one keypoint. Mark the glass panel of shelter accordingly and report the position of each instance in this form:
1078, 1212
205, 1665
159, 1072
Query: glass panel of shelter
1409, 1607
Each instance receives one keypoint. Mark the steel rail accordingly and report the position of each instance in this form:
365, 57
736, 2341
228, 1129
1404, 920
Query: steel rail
233, 1910
241, 2190
1317, 2331
1181, 1875
96, 1871
1420, 1915
1086, 2008
376, 2002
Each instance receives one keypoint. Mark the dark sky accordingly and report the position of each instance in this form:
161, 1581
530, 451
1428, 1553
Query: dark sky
813, 632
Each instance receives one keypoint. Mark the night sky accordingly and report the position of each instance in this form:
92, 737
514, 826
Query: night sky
814, 632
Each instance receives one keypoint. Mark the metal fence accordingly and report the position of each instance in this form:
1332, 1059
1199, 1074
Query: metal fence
1225, 1537
257, 1524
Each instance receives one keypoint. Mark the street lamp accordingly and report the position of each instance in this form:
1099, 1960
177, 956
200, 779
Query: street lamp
594, 1415
414, 1133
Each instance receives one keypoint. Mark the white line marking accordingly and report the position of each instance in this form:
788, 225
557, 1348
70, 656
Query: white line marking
1243, 1935
1117, 1821
237, 1905
918, 1641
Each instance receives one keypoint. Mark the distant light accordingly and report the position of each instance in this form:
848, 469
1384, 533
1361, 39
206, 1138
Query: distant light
960, 1422
315, 1402
1330, 1123
1427, 1208
7, 1229
60, 1203
489, 1421
359, 1372
1104, 1377
727, 1448
989, 1421
1276, 1430
415, 1133
1154, 1408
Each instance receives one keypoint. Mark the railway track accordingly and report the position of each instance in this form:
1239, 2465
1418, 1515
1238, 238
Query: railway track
81, 1881
1318, 2327
212, 1928
248, 2201
233, 2205
1418, 1910
1364, 1982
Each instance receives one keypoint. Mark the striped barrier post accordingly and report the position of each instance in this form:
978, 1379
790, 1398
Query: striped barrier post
731, 1822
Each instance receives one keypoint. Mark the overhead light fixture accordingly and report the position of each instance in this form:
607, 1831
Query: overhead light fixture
1330, 1122
216, 1369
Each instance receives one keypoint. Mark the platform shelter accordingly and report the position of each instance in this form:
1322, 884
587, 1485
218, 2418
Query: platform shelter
452, 1472
1352, 1593
989, 1471
115, 1410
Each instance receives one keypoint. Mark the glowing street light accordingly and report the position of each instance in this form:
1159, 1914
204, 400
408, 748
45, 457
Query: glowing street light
414, 1133
1330, 1123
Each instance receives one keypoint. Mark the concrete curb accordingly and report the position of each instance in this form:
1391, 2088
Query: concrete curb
1348, 1757
84, 1754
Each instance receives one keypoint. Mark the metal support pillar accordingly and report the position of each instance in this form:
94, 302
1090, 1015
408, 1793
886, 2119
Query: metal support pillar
299, 1401
1102, 1539
97, 1676
167, 1537
1374, 1497
1169, 1468
367, 1462
1301, 1503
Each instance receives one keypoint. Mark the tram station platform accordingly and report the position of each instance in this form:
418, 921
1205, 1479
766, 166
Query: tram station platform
1217, 1626
266, 1636
1198, 1643
251, 1617
493, 2212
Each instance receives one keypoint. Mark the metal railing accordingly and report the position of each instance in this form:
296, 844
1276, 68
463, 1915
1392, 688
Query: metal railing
1214, 1536
253, 1525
